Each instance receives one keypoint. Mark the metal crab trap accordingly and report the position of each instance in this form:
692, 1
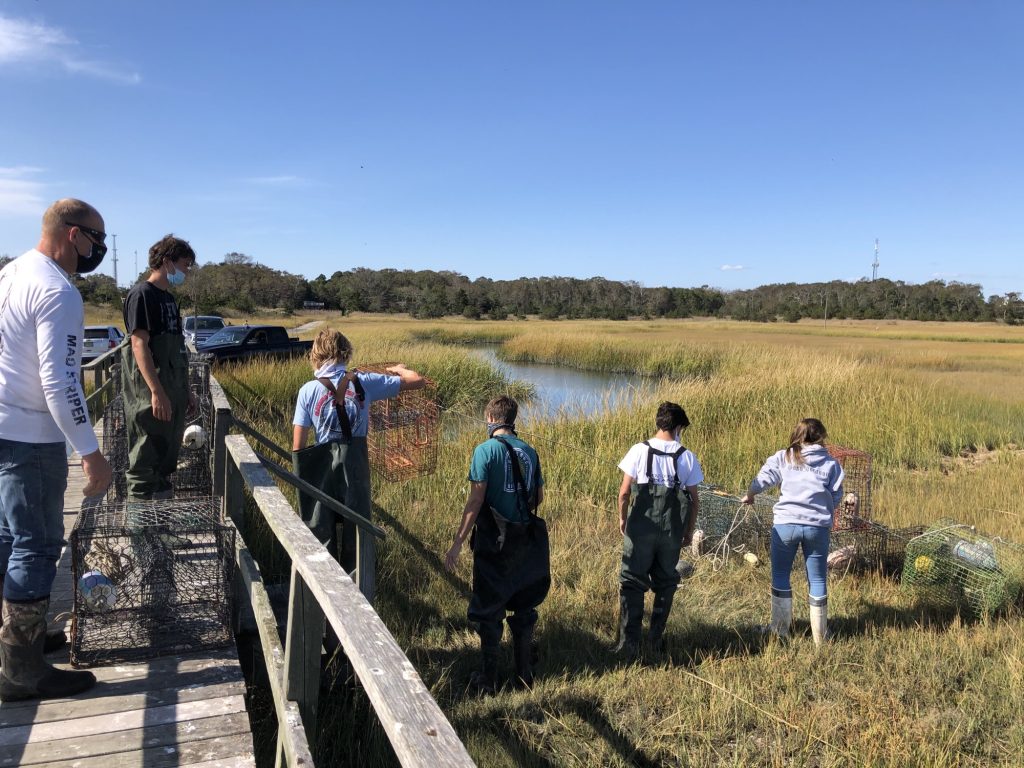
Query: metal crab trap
403, 431
193, 476
115, 445
725, 526
870, 546
953, 566
151, 578
855, 508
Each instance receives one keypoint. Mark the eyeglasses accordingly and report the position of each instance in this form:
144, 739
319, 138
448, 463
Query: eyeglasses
93, 234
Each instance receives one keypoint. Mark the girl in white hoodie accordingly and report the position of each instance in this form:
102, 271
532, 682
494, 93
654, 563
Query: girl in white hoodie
811, 488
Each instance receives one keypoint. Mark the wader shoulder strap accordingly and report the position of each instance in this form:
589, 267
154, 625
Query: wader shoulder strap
526, 500
339, 407
652, 452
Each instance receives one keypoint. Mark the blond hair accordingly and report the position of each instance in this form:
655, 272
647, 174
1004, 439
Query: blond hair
330, 346
67, 212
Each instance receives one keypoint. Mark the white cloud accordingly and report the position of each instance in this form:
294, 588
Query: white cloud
31, 42
21, 195
732, 267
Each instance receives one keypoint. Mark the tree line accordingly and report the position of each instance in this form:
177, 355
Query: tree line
241, 285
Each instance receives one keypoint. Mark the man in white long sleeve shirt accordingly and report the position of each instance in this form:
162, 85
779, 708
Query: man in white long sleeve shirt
42, 405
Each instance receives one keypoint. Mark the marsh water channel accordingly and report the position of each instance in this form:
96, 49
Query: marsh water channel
563, 389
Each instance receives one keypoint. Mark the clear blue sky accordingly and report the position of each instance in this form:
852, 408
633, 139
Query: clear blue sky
673, 143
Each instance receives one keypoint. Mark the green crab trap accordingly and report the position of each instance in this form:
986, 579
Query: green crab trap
193, 476
725, 526
855, 508
151, 578
870, 546
115, 445
953, 566
403, 431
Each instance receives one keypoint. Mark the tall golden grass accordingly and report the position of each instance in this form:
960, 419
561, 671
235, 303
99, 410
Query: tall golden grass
900, 684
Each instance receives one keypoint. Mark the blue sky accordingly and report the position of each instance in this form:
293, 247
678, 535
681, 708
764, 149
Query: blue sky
674, 143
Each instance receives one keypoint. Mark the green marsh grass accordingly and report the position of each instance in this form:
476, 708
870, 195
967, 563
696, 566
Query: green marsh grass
901, 684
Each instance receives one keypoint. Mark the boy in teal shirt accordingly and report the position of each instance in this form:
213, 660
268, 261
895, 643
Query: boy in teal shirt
511, 568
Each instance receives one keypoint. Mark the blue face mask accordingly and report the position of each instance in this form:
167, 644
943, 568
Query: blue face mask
175, 278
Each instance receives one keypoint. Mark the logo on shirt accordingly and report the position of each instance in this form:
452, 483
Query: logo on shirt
525, 467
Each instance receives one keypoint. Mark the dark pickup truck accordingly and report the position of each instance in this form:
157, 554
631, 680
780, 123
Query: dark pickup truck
240, 342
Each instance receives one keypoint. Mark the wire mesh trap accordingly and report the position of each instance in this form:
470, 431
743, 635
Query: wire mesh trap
151, 578
855, 508
953, 566
403, 431
724, 526
193, 475
115, 445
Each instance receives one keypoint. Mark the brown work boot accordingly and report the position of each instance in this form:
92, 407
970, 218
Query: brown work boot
24, 673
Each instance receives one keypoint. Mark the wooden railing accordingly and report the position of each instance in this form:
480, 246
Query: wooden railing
100, 374
321, 591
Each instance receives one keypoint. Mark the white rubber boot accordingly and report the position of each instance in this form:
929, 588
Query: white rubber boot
782, 614
819, 619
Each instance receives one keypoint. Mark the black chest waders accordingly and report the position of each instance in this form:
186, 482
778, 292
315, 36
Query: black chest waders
341, 469
511, 572
658, 518
153, 445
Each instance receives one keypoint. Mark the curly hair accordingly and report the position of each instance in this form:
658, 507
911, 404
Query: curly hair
172, 248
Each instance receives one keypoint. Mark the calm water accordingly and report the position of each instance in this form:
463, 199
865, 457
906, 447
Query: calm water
569, 389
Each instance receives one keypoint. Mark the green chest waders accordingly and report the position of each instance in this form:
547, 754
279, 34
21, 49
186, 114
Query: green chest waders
153, 445
341, 469
650, 550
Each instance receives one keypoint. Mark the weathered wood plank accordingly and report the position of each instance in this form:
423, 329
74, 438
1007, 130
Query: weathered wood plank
119, 721
417, 729
68, 709
303, 641
292, 742
172, 744
161, 672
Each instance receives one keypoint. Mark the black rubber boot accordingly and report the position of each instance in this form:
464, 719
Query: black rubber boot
55, 639
24, 673
524, 652
659, 619
631, 617
484, 682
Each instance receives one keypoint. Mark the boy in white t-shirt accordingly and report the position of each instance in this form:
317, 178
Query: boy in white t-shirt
661, 477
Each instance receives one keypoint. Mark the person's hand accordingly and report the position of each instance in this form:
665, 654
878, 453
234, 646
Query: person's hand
161, 404
398, 369
452, 558
97, 474
747, 499
622, 526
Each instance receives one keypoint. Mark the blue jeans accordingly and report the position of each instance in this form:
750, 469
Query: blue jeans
33, 478
786, 539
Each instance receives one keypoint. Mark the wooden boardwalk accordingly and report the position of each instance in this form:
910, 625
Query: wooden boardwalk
172, 711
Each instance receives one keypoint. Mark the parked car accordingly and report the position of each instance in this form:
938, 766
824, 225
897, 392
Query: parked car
238, 342
100, 339
199, 328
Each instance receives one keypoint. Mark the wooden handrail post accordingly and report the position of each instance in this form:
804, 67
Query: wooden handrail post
366, 564
221, 426
303, 640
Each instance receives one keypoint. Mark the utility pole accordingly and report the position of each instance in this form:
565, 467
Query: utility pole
874, 265
115, 259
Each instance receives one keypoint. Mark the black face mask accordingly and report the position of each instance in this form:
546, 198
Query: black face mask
89, 263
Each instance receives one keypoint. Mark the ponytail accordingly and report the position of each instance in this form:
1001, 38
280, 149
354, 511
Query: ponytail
807, 431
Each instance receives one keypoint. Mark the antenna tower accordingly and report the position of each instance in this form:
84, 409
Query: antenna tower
115, 260
874, 264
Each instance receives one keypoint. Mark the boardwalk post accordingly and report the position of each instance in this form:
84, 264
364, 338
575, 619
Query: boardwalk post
303, 639
366, 564
221, 427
